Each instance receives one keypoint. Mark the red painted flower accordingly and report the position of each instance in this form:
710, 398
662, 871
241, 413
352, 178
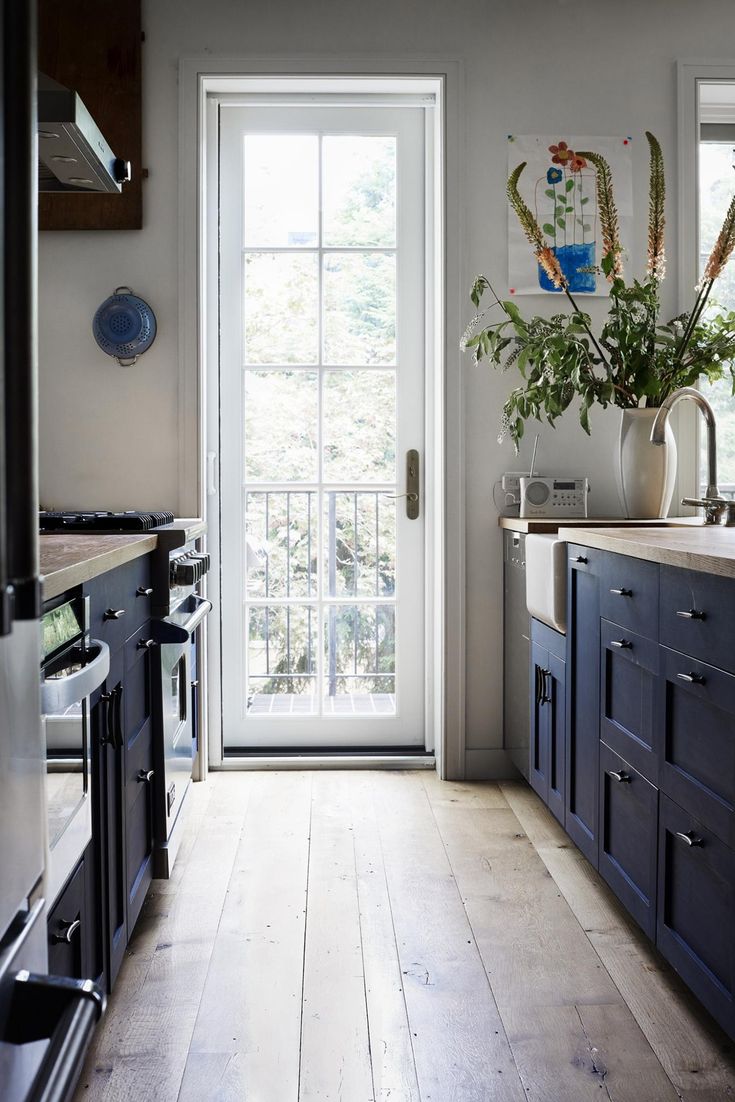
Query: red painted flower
577, 163
561, 154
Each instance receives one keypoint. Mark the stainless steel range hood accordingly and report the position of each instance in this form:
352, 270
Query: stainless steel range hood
72, 153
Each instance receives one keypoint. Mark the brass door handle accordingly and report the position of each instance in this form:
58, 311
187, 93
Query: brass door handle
413, 490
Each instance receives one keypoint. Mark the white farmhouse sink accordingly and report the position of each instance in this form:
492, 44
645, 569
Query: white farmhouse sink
546, 580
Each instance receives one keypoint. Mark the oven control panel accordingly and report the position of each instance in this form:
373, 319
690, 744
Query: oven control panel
186, 570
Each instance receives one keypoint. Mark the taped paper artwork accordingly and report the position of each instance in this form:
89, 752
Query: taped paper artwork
558, 184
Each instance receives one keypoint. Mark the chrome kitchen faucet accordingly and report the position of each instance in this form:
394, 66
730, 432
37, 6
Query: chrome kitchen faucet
715, 507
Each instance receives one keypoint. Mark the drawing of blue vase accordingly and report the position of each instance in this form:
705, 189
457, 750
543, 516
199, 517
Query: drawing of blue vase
572, 260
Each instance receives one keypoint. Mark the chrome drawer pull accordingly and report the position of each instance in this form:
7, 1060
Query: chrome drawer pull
113, 613
146, 644
622, 592
142, 591
691, 678
692, 614
689, 837
621, 644
580, 558
68, 933
622, 776
145, 776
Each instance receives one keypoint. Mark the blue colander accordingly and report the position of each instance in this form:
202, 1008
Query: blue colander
124, 326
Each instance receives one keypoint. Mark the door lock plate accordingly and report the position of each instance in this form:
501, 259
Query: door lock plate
412, 484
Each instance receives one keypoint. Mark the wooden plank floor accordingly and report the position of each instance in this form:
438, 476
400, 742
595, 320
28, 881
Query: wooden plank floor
386, 937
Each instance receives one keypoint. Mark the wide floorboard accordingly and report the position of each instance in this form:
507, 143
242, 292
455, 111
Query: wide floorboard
386, 937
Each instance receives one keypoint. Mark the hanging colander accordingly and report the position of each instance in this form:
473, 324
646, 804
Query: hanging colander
124, 326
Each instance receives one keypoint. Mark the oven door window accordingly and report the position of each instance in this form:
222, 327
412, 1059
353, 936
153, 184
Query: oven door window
177, 702
67, 754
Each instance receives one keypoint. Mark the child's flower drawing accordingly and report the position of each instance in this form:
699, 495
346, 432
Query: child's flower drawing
568, 230
562, 154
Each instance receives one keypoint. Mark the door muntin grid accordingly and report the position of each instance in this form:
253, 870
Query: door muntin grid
319, 515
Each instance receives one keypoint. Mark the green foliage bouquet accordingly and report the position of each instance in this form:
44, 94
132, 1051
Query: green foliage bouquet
634, 360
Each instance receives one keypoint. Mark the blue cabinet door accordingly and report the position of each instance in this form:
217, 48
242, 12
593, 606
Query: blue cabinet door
557, 733
696, 909
583, 698
547, 757
538, 764
628, 836
629, 666
697, 737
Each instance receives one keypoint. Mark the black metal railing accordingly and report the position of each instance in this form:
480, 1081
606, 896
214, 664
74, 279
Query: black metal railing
359, 567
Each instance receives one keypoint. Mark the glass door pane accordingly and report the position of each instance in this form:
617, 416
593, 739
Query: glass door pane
328, 353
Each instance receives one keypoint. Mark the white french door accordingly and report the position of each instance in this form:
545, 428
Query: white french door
322, 290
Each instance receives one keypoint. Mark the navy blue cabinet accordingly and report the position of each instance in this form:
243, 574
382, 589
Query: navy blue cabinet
696, 909
629, 593
696, 615
108, 829
628, 680
547, 765
697, 721
69, 934
583, 698
122, 773
628, 836
139, 772
648, 776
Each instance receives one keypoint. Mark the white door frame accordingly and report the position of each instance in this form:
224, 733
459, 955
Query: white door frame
445, 616
690, 72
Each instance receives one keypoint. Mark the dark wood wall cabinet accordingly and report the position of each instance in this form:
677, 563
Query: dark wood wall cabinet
648, 741
94, 48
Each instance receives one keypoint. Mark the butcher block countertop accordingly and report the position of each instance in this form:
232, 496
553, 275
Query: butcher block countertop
709, 548
71, 559
550, 524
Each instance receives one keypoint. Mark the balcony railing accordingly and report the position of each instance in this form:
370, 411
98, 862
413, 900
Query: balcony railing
358, 583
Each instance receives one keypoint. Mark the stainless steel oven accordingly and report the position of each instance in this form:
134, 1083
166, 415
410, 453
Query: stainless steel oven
174, 632
73, 666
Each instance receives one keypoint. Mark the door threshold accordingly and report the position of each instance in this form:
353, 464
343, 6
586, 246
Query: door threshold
420, 760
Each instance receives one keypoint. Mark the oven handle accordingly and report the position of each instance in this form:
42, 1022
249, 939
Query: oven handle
56, 696
66, 1012
164, 631
203, 609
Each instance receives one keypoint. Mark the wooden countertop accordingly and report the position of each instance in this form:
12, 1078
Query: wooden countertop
549, 524
709, 548
71, 559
